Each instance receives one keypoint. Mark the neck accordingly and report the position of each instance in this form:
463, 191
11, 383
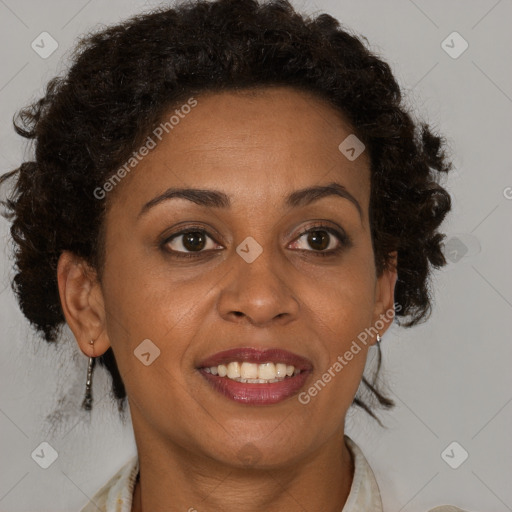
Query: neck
184, 481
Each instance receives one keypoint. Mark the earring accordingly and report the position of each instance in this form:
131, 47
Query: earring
378, 338
87, 403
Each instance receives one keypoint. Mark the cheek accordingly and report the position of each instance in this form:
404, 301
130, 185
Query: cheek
143, 305
342, 313
158, 301
341, 309
140, 293
346, 292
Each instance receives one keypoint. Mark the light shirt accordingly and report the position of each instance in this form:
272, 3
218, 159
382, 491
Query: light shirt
117, 494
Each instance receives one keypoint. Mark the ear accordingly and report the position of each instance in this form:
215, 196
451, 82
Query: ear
82, 302
383, 313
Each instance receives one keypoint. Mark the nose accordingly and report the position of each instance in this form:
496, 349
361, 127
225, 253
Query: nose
259, 292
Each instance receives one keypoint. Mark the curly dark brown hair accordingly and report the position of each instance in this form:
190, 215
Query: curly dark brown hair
124, 78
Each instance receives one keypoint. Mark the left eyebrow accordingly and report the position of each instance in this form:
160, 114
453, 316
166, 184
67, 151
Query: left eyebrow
218, 199
306, 196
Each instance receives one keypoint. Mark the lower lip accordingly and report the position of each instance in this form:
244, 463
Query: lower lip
257, 394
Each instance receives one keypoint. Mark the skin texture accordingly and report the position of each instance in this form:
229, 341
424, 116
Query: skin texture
257, 147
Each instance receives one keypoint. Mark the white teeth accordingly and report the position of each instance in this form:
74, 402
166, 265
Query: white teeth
253, 373
281, 370
233, 370
249, 370
267, 371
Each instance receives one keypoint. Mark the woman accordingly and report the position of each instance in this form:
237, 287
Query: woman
228, 206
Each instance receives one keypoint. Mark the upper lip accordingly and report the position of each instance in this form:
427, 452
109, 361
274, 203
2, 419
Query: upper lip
254, 355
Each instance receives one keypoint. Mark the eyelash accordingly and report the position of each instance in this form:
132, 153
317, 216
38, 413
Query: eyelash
344, 241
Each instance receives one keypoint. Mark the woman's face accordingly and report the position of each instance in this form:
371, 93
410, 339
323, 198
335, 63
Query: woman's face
245, 276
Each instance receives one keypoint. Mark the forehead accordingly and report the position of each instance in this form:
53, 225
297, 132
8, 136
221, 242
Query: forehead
255, 144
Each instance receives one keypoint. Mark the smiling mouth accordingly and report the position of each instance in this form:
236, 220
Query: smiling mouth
256, 377
254, 373
262, 392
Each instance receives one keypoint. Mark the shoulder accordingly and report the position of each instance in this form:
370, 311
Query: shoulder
116, 495
365, 494
447, 508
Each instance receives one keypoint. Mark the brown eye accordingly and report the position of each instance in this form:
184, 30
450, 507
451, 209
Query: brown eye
318, 240
194, 241
191, 241
322, 241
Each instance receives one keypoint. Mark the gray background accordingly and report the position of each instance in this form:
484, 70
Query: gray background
450, 377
